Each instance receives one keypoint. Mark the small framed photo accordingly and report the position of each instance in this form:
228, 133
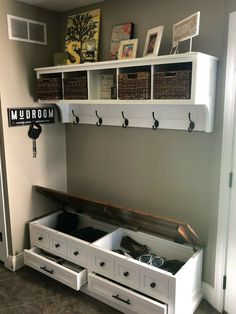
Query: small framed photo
153, 40
128, 49
119, 32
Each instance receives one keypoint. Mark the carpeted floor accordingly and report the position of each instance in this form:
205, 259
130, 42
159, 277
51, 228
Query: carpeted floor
30, 292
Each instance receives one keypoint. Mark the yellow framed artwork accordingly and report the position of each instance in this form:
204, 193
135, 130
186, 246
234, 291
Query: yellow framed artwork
82, 36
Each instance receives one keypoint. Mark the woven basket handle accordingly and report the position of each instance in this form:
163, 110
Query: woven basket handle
46, 80
170, 74
131, 76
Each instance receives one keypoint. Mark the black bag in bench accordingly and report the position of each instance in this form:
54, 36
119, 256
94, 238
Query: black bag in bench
67, 223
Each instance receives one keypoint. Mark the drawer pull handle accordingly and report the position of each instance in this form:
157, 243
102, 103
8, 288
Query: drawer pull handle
153, 285
76, 253
102, 264
118, 298
57, 245
47, 270
126, 273
40, 238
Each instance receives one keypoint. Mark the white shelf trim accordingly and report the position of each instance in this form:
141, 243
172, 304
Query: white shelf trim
125, 63
169, 117
171, 113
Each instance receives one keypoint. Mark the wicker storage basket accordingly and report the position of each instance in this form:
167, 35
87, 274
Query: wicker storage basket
134, 85
49, 88
172, 85
76, 88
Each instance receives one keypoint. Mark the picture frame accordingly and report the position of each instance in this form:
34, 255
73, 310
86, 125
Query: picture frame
186, 28
119, 32
82, 37
153, 41
128, 49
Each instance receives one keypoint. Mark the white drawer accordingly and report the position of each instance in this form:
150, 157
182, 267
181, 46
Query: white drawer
58, 244
56, 271
102, 263
77, 252
39, 237
131, 301
126, 273
43, 234
155, 284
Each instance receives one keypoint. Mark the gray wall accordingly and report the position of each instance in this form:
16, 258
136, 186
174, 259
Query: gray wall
17, 88
170, 173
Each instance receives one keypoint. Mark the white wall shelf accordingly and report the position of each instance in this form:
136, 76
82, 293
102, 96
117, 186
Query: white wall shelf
171, 113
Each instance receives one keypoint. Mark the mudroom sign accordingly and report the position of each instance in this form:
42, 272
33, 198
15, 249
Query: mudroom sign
25, 116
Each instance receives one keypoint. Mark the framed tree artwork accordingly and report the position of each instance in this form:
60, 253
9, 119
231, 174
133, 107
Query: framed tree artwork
119, 32
82, 36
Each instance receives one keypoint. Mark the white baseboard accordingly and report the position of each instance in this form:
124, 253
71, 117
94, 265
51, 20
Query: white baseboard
196, 300
15, 262
209, 294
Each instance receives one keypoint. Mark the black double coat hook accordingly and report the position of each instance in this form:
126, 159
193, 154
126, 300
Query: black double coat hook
99, 123
126, 121
76, 121
191, 123
156, 122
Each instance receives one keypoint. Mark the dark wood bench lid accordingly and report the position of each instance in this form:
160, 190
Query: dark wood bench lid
167, 228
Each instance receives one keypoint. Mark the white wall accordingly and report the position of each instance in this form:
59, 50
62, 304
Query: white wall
3, 243
17, 88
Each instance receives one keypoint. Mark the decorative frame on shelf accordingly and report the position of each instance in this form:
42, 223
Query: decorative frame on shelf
184, 30
128, 49
82, 36
119, 32
153, 41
